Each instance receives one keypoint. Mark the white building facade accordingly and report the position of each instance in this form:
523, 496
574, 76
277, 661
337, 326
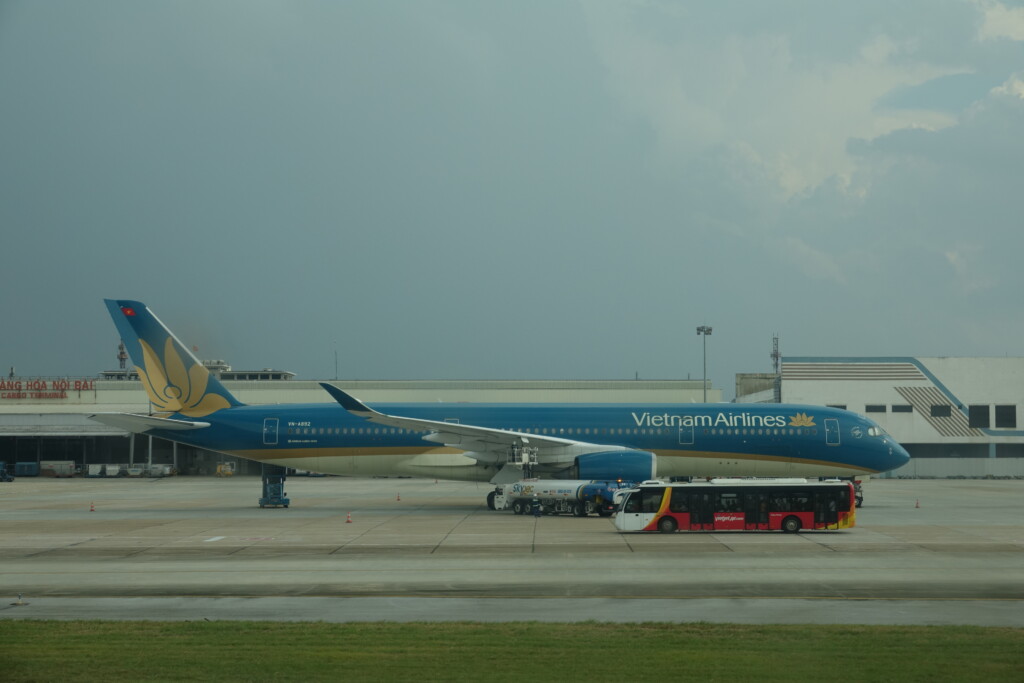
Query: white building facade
955, 416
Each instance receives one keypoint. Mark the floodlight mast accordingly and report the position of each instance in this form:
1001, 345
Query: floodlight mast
705, 331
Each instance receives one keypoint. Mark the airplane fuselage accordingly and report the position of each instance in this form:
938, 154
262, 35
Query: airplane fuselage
698, 440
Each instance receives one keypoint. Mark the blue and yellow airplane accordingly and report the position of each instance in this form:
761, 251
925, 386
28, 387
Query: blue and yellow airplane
490, 442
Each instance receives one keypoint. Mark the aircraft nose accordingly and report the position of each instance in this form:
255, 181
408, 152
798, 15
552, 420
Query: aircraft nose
898, 455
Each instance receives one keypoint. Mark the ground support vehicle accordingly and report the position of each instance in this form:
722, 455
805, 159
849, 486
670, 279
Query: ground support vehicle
5, 475
787, 505
273, 487
555, 496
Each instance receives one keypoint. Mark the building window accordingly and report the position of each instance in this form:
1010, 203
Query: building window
1006, 417
902, 409
874, 408
837, 405
942, 410
978, 417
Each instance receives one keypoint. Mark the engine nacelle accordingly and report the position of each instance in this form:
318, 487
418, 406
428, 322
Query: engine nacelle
617, 465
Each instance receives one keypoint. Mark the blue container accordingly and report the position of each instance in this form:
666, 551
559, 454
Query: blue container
26, 469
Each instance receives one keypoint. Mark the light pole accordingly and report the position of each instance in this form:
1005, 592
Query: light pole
705, 331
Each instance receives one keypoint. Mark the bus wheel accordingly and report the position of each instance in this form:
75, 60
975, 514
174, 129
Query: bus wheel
791, 525
490, 500
667, 525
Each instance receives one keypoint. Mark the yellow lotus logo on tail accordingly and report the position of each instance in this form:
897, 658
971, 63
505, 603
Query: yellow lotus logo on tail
173, 388
801, 420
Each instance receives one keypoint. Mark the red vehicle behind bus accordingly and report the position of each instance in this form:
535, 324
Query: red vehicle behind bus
738, 505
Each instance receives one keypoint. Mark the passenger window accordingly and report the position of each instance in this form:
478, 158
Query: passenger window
679, 501
728, 502
652, 499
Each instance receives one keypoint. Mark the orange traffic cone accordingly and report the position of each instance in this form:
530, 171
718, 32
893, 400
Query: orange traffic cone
348, 520
398, 497
92, 507
917, 503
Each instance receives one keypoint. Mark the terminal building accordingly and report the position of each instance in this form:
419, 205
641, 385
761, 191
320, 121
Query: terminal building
957, 417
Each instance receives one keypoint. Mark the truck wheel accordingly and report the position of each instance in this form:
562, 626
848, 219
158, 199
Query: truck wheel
490, 500
605, 513
580, 509
791, 525
667, 525
518, 507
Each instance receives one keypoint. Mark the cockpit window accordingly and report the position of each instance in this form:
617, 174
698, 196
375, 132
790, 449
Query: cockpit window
876, 431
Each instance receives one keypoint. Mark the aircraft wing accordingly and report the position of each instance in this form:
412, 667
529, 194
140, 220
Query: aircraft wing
140, 424
462, 436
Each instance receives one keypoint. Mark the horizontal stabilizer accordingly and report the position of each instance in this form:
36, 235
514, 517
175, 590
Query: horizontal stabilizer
140, 424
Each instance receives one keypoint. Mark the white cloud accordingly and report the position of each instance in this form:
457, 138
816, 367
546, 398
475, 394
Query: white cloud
1013, 87
999, 21
814, 263
793, 115
969, 276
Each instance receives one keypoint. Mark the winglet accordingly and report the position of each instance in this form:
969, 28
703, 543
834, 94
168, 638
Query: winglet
349, 403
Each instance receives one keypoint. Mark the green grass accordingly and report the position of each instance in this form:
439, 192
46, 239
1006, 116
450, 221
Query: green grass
262, 651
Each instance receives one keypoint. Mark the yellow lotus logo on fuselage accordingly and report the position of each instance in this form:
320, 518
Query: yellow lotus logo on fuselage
173, 388
801, 420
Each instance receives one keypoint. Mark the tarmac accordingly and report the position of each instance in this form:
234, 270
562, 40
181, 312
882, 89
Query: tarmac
923, 552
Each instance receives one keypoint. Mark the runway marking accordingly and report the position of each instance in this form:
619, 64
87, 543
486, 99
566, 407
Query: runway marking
215, 538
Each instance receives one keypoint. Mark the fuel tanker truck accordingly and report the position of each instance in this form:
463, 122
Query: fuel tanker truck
557, 496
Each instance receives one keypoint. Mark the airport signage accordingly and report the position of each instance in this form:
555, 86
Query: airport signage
43, 388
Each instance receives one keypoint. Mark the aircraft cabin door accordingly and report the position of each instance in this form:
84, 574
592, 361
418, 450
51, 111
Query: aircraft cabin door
831, 431
270, 431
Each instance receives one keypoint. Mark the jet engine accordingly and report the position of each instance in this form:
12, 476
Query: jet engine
616, 465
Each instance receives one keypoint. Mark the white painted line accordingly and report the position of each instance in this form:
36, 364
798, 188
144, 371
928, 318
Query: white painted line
215, 538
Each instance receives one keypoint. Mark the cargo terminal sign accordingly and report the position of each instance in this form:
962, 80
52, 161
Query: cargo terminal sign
43, 388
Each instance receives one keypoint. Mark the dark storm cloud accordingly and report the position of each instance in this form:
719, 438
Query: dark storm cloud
458, 189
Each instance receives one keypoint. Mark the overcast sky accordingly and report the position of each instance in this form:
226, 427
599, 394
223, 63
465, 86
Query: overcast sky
512, 189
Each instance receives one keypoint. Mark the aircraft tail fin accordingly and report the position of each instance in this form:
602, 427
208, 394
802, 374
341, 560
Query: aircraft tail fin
175, 380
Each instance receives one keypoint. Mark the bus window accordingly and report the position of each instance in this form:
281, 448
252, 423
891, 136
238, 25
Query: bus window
727, 502
632, 503
779, 502
651, 499
800, 501
680, 501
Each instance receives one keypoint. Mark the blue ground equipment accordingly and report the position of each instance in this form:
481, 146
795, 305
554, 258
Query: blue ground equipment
273, 487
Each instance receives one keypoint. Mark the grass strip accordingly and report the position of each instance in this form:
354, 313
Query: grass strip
286, 651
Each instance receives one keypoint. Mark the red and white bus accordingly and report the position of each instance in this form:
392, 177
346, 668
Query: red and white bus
738, 505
